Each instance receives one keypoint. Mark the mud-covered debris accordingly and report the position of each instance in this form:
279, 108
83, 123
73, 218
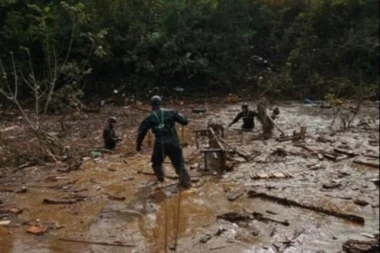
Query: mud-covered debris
234, 216
85, 158
290, 202
194, 166
330, 156
260, 217
229, 166
20, 190
26, 165
111, 169
205, 238
220, 231
275, 175
373, 143
115, 243
376, 181
217, 243
199, 110
317, 166
114, 197
37, 230
371, 163
345, 152
357, 246
254, 231
297, 232
54, 178
343, 173
15, 210
5, 222
232, 196
273, 232
368, 235
59, 201
360, 202
145, 173
280, 152
332, 185
326, 139
338, 197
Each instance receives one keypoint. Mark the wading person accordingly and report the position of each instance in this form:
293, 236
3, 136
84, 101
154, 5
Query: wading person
109, 135
248, 117
162, 122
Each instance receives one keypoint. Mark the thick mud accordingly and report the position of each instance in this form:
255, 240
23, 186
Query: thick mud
151, 217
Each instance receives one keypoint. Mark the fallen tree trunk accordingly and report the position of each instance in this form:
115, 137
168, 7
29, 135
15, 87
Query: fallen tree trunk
288, 202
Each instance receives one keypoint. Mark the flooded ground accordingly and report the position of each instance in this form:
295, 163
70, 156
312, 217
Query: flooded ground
118, 201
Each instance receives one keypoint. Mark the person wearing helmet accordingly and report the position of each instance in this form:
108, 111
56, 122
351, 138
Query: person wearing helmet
162, 123
248, 117
109, 135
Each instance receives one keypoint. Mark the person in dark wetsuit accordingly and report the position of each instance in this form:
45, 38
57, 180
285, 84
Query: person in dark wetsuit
248, 117
109, 135
162, 122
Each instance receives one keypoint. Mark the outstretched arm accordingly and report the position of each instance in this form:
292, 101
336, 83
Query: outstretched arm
141, 132
181, 119
237, 118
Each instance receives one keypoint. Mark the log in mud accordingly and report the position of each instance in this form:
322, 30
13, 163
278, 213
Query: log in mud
289, 202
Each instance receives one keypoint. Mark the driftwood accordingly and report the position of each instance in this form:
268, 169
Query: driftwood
118, 244
284, 201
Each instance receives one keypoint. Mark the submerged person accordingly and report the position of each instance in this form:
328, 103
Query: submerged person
162, 122
248, 117
109, 135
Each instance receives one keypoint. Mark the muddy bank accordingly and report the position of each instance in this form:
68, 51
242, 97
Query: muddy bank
111, 201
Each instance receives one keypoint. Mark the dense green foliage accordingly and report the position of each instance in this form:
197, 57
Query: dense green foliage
308, 47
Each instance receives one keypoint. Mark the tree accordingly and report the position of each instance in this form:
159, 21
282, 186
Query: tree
56, 69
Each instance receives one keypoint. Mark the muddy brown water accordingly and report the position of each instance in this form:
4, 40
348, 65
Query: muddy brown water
147, 216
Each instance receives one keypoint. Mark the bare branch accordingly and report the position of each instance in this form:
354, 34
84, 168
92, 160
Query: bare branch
68, 50
26, 81
15, 74
43, 92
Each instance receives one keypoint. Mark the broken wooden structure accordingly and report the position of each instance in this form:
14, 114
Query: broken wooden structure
215, 148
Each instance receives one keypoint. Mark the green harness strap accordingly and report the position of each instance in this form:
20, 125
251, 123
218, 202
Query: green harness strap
161, 122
